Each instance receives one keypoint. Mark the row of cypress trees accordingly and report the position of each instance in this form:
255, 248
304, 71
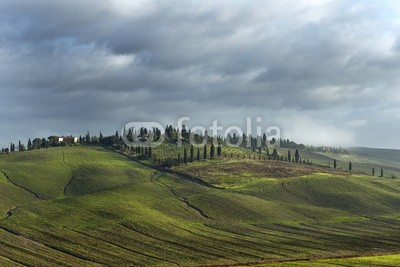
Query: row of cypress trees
351, 167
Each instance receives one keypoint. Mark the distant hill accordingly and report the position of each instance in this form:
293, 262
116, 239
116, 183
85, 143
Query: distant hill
389, 157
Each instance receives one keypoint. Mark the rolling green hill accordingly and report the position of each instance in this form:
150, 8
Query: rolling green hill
363, 160
89, 206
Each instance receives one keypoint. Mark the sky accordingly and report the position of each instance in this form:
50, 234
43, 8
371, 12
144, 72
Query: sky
326, 72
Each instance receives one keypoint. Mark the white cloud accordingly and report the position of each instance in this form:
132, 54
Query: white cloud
309, 131
135, 8
119, 61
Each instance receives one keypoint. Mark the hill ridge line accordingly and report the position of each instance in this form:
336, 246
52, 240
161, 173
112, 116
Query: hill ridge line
167, 170
17, 185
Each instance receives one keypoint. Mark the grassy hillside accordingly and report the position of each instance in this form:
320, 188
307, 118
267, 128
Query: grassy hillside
371, 261
386, 156
88, 206
363, 160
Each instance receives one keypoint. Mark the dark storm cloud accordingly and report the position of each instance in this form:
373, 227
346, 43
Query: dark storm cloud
68, 65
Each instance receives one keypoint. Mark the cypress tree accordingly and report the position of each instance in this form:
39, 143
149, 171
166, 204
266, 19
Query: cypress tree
267, 151
334, 163
212, 151
87, 138
184, 155
297, 156
275, 153
259, 150
373, 171
43, 143
198, 154
219, 150
29, 144
191, 153
205, 152
381, 172
350, 166
289, 156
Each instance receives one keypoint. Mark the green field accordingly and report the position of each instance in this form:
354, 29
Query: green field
363, 160
90, 206
371, 261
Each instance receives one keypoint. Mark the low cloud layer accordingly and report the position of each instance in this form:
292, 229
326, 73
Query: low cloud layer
325, 71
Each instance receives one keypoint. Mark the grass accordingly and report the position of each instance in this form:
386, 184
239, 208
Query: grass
372, 261
89, 206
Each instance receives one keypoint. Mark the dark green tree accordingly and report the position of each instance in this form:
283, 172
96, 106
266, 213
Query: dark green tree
296, 156
20, 146
289, 155
350, 166
184, 155
95, 139
29, 144
219, 150
87, 138
198, 154
381, 172
334, 164
275, 153
43, 143
37, 143
212, 151
191, 153
264, 140
373, 171
205, 152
